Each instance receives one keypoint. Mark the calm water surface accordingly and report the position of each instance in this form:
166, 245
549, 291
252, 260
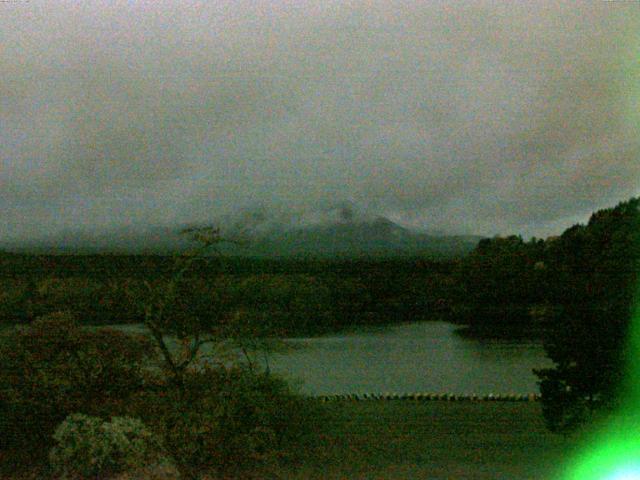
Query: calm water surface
409, 358
413, 357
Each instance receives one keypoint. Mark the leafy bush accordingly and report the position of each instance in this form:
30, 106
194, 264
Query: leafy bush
225, 420
52, 368
87, 446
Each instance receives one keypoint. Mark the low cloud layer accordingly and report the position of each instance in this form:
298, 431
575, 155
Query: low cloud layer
479, 118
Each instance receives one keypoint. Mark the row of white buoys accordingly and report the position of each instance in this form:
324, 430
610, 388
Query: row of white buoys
449, 397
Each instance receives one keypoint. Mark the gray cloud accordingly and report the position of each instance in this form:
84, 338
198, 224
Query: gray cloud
475, 118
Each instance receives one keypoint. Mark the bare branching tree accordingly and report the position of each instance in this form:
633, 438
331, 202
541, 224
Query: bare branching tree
161, 296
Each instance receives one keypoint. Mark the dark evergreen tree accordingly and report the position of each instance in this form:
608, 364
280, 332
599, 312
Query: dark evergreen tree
593, 272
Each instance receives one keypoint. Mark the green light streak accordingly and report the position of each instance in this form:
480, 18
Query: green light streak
612, 451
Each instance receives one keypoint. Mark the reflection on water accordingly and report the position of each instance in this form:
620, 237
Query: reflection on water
414, 357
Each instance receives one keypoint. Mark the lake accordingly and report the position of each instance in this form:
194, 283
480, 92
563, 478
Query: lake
413, 357
410, 358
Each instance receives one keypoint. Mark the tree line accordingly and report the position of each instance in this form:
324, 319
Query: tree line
576, 291
296, 297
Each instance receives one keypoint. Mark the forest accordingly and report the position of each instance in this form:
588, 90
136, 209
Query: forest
300, 297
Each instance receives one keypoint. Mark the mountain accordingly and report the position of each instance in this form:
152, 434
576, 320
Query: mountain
377, 237
342, 238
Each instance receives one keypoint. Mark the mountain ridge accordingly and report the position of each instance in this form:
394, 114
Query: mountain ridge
377, 236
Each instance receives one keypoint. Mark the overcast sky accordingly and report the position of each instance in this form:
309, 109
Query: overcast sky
477, 117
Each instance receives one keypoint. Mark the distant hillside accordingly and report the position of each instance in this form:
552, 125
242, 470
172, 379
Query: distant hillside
124, 240
354, 238
378, 237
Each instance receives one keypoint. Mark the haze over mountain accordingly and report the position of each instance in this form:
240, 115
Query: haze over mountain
343, 231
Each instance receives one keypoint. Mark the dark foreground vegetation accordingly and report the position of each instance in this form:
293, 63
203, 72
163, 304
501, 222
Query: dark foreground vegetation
409, 440
60, 382
98, 401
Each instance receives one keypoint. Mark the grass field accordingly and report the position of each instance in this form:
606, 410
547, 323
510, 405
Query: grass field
434, 440
419, 440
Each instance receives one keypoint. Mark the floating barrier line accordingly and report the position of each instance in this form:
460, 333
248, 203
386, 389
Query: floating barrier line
428, 397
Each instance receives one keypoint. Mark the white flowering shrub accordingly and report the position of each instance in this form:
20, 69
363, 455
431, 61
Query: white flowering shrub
87, 446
